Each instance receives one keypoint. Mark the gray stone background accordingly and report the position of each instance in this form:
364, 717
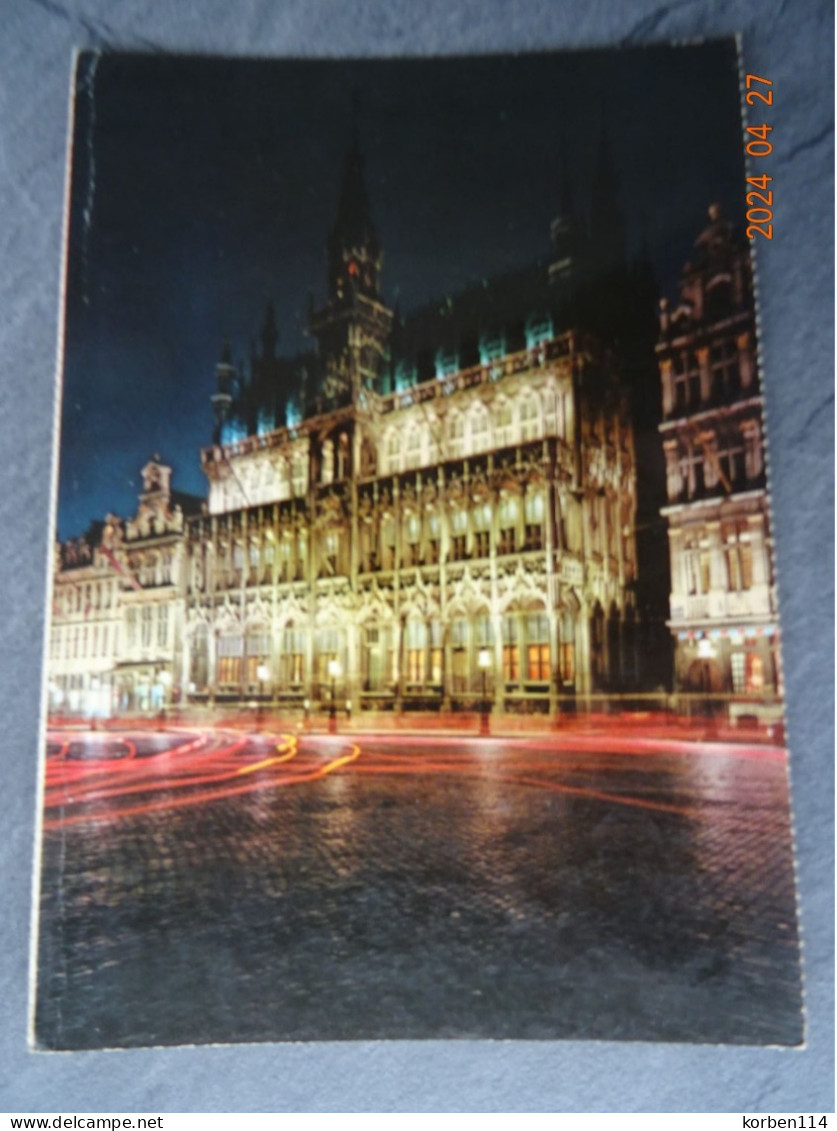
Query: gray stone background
790, 41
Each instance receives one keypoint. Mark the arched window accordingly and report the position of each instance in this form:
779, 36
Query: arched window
549, 412
482, 530
480, 429
415, 651
504, 424
537, 647
394, 450
509, 517
414, 438
455, 435
534, 512
530, 418
293, 655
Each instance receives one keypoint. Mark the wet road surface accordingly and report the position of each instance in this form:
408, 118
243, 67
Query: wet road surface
220, 886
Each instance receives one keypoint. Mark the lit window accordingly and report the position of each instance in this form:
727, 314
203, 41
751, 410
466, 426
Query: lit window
230, 652
414, 446
738, 553
482, 531
508, 526
534, 511
511, 651
415, 645
737, 666
257, 648
529, 418
293, 653
455, 435
755, 672
537, 647
504, 424
480, 430
459, 532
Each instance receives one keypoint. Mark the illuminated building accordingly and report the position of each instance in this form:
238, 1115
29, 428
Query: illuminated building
118, 606
86, 622
724, 613
454, 486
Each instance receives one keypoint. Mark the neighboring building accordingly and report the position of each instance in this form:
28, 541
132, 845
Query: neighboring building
724, 614
86, 622
118, 598
450, 502
151, 557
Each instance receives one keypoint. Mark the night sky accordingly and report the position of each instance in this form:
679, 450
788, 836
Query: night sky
201, 188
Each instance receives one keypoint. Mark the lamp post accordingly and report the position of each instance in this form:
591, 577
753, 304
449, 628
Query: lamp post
334, 672
263, 675
484, 661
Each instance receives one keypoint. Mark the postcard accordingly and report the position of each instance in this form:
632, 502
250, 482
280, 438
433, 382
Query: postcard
414, 663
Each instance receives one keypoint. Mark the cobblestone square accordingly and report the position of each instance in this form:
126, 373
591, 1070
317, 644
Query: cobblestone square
212, 886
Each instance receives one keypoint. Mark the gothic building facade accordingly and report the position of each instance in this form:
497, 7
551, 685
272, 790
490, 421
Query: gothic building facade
447, 510
724, 614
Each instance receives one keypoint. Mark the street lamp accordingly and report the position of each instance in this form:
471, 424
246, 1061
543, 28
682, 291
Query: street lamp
334, 672
263, 675
484, 661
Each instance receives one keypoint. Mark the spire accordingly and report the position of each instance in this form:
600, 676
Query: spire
352, 328
354, 253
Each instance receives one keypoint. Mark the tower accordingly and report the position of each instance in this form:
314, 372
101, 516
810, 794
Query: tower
352, 328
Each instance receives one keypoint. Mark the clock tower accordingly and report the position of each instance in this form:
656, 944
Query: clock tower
352, 328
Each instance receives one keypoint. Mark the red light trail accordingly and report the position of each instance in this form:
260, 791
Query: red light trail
94, 777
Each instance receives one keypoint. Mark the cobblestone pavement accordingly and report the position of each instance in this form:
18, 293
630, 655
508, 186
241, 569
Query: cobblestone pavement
219, 888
